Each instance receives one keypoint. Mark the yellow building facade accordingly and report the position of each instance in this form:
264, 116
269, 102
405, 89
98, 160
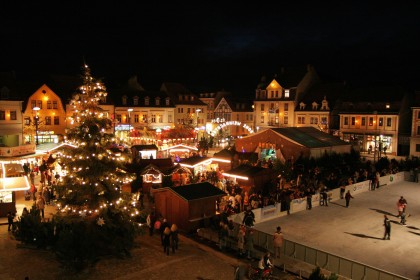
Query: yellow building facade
44, 117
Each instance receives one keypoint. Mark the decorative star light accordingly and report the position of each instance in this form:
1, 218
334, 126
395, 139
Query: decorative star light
83, 214
101, 221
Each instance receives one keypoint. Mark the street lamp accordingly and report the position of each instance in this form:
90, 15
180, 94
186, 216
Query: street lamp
129, 110
36, 109
196, 121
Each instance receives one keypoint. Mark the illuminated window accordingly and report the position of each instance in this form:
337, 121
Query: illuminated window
27, 120
286, 93
13, 115
153, 118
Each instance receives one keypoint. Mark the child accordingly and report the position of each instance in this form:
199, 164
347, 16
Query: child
403, 218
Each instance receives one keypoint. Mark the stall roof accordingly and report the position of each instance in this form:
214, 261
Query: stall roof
145, 147
309, 137
180, 146
192, 162
224, 154
197, 191
245, 171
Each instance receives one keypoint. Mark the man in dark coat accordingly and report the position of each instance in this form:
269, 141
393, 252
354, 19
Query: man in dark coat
387, 225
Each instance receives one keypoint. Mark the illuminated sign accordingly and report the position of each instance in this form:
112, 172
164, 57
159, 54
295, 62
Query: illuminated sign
237, 123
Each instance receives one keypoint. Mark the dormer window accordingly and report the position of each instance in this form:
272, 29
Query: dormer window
124, 100
180, 97
167, 101
135, 100
286, 93
192, 98
302, 106
387, 106
314, 106
157, 101
146, 100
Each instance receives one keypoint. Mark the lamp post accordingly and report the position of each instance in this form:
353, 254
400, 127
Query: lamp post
36, 109
196, 121
129, 110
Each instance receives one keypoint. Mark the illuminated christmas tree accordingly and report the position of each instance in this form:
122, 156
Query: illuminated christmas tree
95, 216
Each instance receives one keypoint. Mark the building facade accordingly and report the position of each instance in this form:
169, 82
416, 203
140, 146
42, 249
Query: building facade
44, 117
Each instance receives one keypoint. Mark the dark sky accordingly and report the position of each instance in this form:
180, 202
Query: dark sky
210, 45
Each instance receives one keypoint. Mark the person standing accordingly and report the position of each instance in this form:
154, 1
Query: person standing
348, 197
387, 225
241, 240
10, 218
40, 204
150, 220
249, 243
401, 204
342, 190
278, 240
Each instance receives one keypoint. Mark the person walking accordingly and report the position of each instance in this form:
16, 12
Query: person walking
387, 225
278, 240
348, 197
150, 220
166, 241
174, 237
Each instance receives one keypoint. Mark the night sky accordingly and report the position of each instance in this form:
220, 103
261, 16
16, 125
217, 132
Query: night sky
212, 45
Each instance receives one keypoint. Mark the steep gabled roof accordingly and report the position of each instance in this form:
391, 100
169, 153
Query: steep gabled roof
197, 191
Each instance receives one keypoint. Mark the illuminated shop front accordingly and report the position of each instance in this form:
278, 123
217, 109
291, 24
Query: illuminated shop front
12, 180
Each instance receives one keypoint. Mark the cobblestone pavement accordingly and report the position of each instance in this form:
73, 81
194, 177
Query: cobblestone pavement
193, 260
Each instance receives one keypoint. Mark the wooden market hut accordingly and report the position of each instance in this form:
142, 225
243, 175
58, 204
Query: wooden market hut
189, 205
144, 152
177, 174
249, 176
290, 143
196, 164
